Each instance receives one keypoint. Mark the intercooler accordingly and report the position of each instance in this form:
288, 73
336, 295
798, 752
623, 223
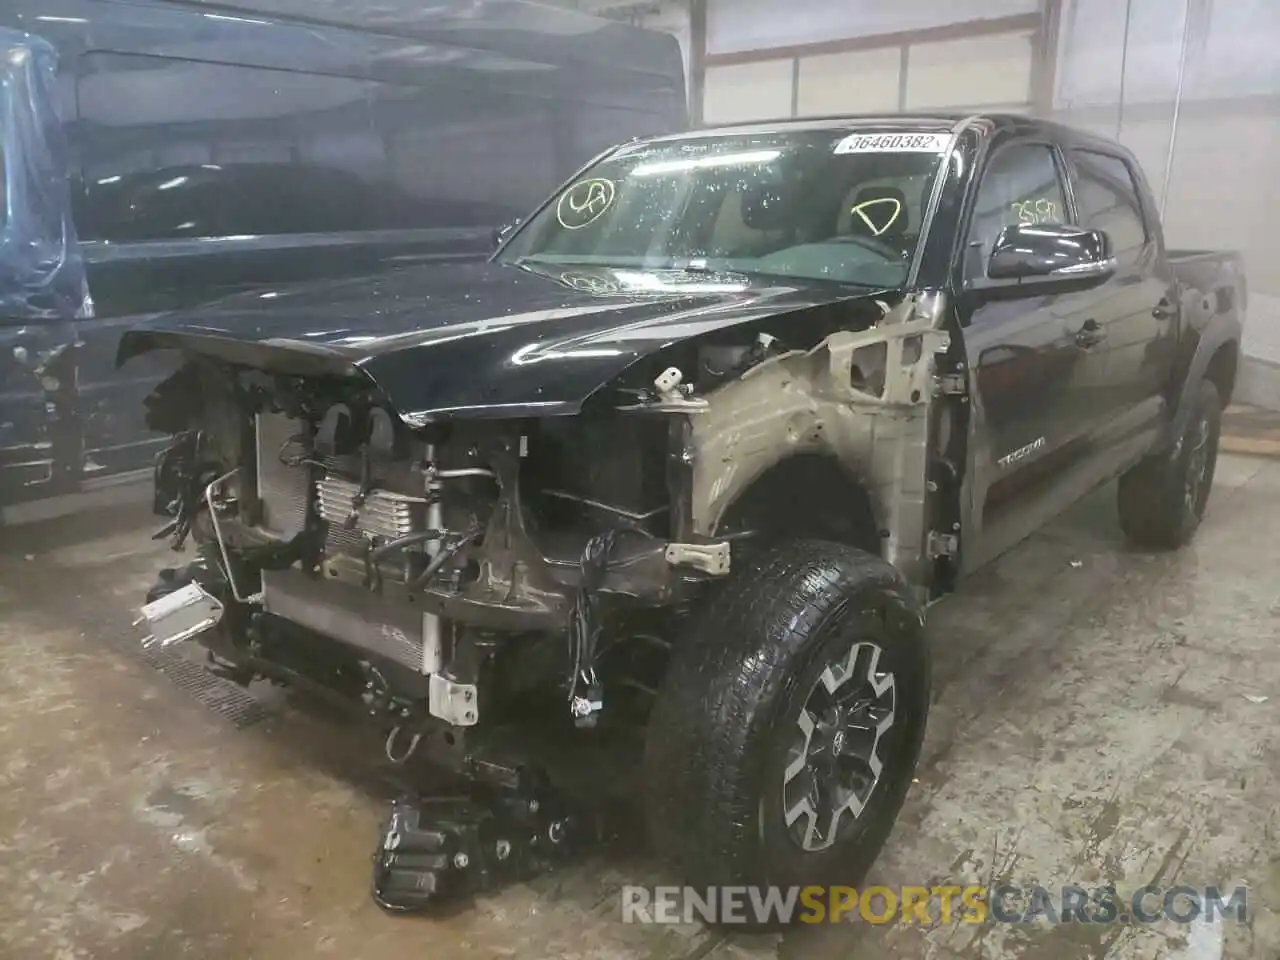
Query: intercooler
382, 625
353, 615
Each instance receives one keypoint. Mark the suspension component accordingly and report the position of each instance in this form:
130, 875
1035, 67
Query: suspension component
437, 848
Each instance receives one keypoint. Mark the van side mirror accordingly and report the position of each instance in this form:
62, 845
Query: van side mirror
501, 233
1051, 251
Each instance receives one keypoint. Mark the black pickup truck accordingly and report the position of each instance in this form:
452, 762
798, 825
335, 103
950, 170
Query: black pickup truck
688, 457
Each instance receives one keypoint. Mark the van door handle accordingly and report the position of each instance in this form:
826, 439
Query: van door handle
1090, 334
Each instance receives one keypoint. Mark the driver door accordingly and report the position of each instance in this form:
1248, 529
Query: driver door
1033, 404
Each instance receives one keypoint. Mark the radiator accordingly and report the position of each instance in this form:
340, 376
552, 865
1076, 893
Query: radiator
346, 612
281, 488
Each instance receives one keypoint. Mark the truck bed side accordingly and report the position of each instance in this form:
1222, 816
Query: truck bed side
1212, 295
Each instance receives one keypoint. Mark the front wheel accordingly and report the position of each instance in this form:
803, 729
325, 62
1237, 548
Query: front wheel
1163, 498
788, 726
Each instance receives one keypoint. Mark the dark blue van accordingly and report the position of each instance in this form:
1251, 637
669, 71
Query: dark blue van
159, 155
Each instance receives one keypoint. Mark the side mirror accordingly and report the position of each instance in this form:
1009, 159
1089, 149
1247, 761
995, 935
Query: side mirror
501, 233
1051, 251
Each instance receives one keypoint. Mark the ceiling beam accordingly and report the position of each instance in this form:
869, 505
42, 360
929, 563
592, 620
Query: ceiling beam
950, 31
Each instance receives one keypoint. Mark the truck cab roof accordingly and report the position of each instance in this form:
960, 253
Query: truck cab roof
987, 125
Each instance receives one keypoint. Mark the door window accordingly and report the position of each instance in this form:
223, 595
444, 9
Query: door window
1108, 200
1021, 185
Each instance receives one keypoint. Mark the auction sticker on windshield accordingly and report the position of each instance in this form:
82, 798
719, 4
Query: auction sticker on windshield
893, 143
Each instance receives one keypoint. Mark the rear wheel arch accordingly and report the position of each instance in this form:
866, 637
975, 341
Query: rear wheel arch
1215, 360
1162, 498
1222, 368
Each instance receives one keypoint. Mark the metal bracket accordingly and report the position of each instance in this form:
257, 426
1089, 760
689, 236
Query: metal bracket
942, 545
585, 709
180, 615
452, 702
671, 395
950, 384
712, 558
687, 405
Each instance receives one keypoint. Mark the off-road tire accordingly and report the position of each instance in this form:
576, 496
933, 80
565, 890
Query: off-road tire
1162, 499
738, 676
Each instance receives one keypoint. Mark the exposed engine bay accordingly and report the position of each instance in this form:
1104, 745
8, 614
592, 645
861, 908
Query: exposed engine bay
478, 572
326, 511
395, 563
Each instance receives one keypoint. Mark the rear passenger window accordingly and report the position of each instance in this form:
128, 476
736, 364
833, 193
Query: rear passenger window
1108, 201
1021, 185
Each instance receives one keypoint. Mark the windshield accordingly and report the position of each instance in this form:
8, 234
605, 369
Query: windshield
815, 204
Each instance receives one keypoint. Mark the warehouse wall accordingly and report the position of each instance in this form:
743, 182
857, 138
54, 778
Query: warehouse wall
1192, 87
777, 58
734, 26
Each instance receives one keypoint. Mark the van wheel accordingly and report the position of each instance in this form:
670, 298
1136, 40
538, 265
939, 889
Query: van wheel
788, 726
1162, 499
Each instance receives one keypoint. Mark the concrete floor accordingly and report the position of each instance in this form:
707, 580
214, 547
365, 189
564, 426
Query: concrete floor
1093, 722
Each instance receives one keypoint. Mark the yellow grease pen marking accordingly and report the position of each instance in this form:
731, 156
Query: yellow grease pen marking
860, 209
1031, 212
585, 202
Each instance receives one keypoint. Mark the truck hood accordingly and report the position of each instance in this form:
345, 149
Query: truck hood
483, 339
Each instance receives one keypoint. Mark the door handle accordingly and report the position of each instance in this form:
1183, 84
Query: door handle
1090, 334
1164, 311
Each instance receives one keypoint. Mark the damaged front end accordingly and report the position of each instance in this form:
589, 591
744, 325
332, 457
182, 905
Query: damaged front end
449, 565
420, 559
461, 577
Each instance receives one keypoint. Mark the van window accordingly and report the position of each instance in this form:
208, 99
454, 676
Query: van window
483, 156
175, 149
468, 156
